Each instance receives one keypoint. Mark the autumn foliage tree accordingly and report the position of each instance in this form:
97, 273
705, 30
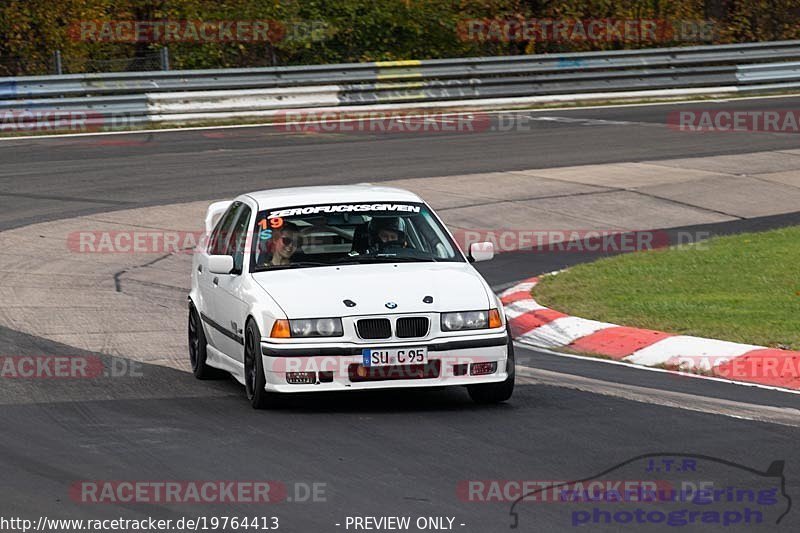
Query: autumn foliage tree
328, 31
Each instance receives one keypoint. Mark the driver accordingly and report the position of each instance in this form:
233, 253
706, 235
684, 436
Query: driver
387, 231
283, 245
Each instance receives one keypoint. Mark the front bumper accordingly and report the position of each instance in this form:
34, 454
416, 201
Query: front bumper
452, 357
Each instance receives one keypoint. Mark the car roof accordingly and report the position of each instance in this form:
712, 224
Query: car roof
333, 194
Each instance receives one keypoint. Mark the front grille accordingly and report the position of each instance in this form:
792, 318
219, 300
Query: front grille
374, 328
414, 326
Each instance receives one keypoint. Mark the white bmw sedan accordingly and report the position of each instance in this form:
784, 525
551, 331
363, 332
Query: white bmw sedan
343, 288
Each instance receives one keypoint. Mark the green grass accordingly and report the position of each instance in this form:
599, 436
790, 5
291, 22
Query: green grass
743, 288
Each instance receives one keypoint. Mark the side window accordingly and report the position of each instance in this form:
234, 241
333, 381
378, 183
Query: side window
221, 234
236, 244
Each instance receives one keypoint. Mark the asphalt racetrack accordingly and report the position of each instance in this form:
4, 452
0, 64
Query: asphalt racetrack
389, 454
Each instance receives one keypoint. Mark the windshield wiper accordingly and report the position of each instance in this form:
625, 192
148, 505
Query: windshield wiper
299, 264
390, 259
409, 259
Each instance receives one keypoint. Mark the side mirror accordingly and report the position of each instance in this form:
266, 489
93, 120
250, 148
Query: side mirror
481, 251
220, 264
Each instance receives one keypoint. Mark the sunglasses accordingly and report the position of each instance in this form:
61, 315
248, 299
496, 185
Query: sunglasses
288, 240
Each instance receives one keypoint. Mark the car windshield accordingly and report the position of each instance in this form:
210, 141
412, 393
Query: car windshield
337, 234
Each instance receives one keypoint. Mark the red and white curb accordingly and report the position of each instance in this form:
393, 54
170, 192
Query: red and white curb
541, 327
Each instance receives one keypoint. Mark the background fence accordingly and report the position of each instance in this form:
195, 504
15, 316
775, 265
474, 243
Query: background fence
122, 99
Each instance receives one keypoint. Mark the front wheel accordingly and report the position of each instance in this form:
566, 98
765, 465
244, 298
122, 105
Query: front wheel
197, 348
254, 378
489, 393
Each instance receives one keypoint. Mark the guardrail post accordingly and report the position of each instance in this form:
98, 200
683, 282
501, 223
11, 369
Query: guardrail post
165, 58
57, 62
273, 59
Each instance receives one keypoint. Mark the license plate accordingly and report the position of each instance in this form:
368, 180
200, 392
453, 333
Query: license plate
394, 356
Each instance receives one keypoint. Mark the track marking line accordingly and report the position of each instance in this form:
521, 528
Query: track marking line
785, 416
676, 373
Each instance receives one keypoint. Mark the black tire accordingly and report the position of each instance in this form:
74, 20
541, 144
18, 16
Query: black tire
197, 348
254, 378
490, 393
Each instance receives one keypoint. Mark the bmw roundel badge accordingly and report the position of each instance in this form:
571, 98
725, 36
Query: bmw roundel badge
391, 305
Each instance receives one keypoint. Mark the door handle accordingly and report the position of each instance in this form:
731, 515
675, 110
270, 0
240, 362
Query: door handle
216, 281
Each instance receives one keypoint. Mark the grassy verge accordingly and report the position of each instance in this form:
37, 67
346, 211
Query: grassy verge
743, 288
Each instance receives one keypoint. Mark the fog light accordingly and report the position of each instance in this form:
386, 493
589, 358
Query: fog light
301, 378
326, 376
481, 369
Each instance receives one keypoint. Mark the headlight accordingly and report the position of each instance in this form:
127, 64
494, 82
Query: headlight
465, 320
316, 327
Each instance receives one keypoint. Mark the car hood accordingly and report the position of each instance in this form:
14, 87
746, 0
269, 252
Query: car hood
321, 291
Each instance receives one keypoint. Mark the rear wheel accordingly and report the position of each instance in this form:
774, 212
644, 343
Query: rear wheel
254, 378
197, 348
489, 393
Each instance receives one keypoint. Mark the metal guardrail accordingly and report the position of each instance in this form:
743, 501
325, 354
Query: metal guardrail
204, 94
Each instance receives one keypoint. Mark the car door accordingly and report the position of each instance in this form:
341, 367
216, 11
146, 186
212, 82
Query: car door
229, 301
207, 304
